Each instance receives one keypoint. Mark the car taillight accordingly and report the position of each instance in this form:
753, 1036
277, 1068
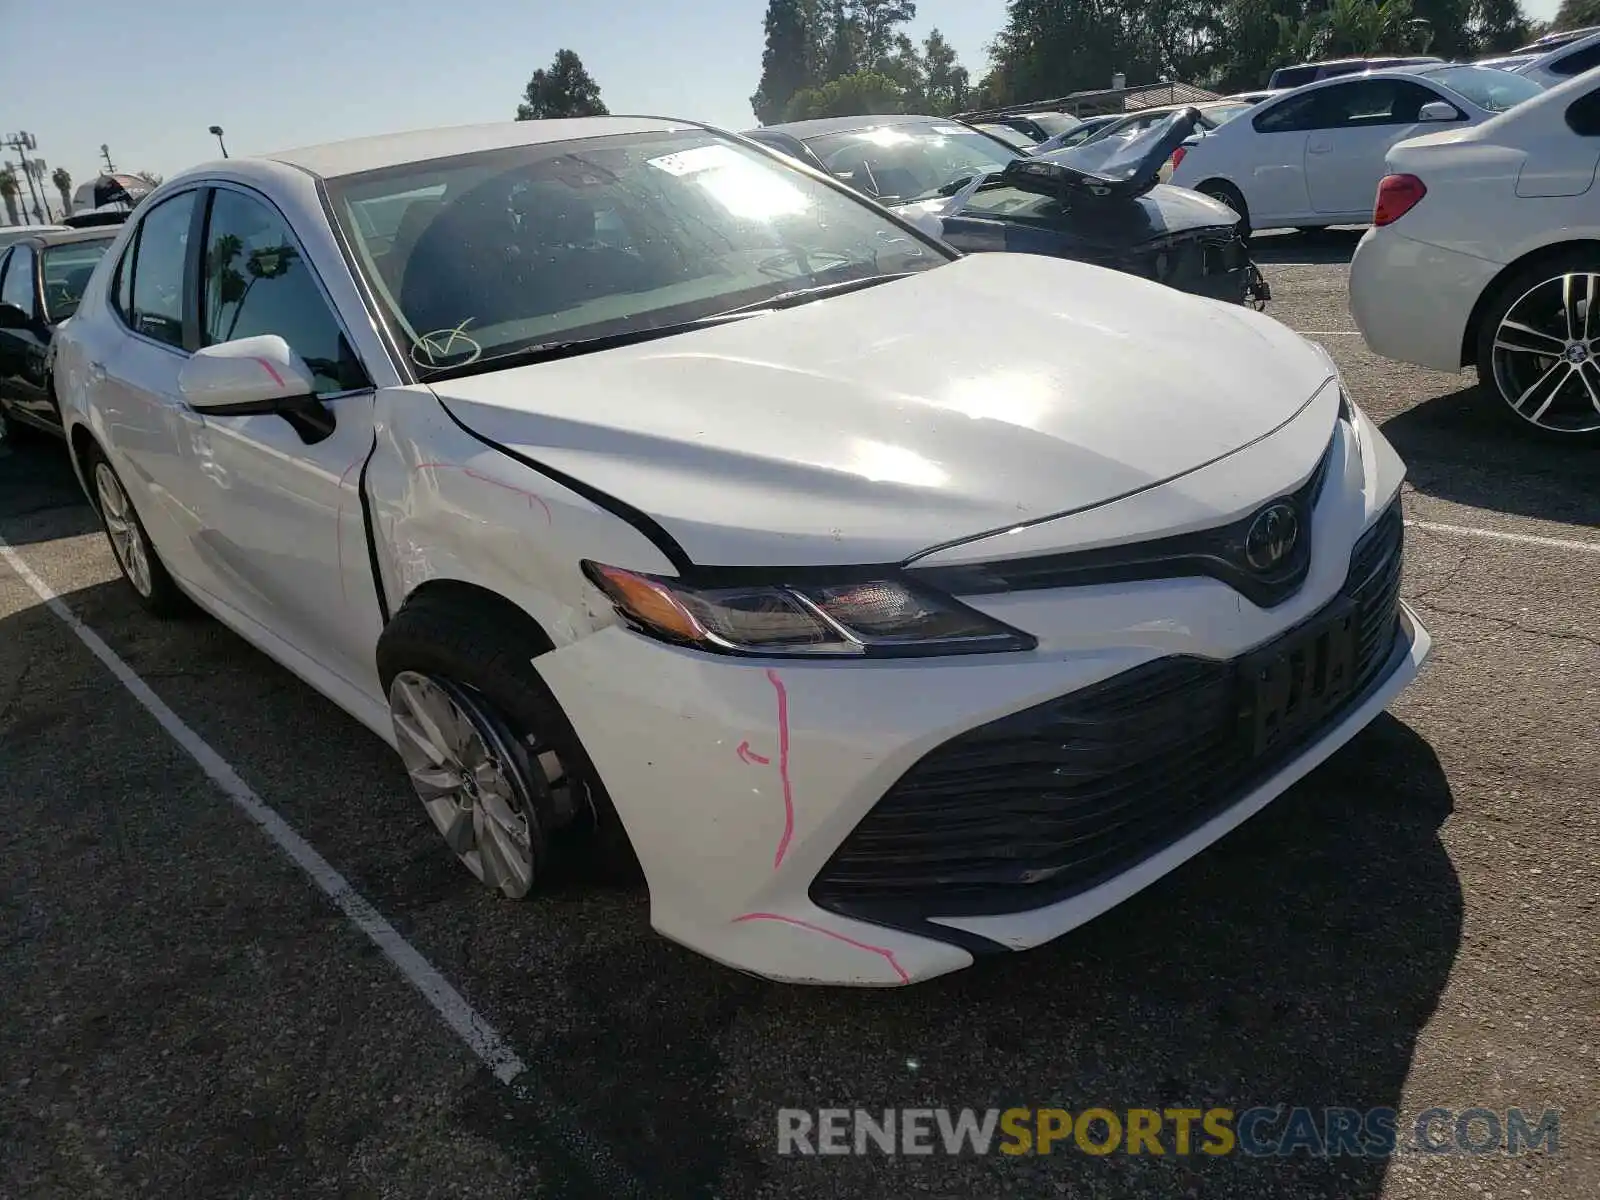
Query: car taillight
1397, 195
1177, 156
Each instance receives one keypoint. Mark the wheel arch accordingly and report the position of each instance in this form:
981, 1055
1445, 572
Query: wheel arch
1491, 293
444, 590
81, 442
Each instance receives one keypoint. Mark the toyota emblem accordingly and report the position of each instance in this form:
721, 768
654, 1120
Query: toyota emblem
1272, 536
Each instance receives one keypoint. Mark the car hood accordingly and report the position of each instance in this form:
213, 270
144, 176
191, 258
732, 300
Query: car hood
870, 426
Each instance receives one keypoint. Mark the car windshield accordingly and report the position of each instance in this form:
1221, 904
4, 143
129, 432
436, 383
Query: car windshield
1054, 123
911, 162
486, 254
1487, 87
66, 271
1010, 136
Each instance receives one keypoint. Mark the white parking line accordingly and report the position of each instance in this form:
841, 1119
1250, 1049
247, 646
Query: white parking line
1498, 535
469, 1026
610, 1175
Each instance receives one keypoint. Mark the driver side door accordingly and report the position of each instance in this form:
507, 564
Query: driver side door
281, 524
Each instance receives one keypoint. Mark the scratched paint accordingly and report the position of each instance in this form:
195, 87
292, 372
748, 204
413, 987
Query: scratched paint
750, 756
531, 497
882, 951
338, 522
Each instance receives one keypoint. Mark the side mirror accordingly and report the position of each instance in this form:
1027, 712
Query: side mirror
1438, 110
255, 376
12, 317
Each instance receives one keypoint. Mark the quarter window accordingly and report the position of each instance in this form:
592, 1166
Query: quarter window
18, 286
1583, 115
155, 306
1294, 115
257, 281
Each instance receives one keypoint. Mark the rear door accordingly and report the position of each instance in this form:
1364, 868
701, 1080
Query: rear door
1356, 124
133, 378
1268, 164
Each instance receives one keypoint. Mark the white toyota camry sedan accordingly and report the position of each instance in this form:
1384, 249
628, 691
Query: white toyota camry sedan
655, 496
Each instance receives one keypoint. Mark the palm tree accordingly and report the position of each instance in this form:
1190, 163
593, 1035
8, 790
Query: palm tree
63, 181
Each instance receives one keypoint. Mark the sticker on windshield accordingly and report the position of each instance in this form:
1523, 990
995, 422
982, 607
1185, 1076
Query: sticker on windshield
701, 158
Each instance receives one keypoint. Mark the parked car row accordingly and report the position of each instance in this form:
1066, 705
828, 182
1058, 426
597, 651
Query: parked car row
667, 503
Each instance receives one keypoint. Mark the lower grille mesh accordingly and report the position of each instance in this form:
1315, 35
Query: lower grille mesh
1051, 801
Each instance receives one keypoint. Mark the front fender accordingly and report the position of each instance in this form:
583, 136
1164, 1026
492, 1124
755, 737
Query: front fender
444, 505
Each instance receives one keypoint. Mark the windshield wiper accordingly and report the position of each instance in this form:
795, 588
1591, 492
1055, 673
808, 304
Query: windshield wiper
550, 351
800, 296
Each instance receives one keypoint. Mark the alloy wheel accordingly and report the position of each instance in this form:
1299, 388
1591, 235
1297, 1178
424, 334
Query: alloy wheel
1546, 355
127, 540
473, 777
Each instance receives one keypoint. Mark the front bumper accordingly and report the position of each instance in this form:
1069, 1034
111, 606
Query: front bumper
1412, 301
740, 780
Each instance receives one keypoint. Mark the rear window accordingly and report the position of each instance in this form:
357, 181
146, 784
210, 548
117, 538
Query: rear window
1292, 77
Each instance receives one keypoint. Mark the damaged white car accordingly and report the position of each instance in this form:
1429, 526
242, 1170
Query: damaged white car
655, 495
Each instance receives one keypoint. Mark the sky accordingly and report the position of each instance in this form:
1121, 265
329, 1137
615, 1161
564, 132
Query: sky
149, 78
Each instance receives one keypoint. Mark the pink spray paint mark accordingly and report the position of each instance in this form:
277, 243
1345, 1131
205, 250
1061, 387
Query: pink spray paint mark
783, 767
883, 952
271, 370
750, 756
481, 478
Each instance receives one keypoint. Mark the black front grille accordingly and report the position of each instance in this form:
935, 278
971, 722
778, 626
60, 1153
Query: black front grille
1046, 803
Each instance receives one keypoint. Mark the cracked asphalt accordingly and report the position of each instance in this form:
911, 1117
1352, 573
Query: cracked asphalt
184, 1014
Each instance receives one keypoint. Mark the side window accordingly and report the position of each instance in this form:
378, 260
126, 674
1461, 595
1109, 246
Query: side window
1294, 115
4, 256
1583, 115
1364, 103
1577, 62
257, 282
155, 306
18, 286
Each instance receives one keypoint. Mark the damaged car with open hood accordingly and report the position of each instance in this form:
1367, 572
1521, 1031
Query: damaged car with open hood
666, 505
1102, 202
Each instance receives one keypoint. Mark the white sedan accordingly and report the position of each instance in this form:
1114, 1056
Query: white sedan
1484, 252
1313, 156
640, 486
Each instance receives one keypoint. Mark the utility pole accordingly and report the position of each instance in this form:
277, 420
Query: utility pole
22, 143
105, 153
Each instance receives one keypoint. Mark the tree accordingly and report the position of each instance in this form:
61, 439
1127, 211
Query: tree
945, 85
565, 90
879, 21
789, 63
863, 93
63, 183
9, 190
1575, 14
152, 178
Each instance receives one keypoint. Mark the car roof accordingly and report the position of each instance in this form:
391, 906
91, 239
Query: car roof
65, 237
805, 130
333, 159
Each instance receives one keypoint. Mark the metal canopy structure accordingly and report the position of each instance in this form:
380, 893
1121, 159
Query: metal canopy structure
1106, 100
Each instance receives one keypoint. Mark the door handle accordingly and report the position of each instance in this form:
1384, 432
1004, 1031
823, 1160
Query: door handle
1320, 147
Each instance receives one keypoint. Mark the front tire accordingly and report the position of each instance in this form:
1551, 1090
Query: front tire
1538, 347
136, 557
490, 755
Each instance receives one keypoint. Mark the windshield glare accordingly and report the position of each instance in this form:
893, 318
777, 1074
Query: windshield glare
1487, 87
66, 271
910, 162
489, 253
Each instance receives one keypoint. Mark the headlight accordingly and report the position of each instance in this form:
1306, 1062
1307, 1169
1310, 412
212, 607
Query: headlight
875, 618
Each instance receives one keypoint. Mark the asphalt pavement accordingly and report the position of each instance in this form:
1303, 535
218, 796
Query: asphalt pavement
183, 1012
